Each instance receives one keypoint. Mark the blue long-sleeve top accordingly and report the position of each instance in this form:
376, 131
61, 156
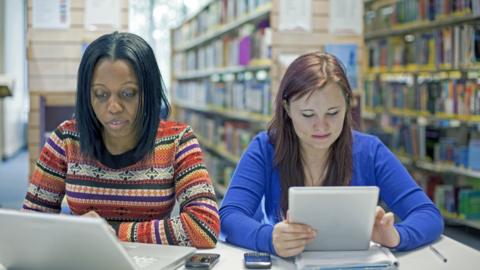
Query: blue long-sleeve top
255, 186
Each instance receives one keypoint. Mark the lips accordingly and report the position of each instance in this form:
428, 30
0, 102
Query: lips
320, 136
117, 124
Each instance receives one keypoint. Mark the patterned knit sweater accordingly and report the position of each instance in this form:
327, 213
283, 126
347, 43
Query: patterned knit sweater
136, 200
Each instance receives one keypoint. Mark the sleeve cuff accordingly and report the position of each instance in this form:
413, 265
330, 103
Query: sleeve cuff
265, 241
403, 238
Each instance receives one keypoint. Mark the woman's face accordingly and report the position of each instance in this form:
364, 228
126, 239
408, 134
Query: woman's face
115, 98
318, 118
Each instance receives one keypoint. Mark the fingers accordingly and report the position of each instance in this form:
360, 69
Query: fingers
298, 236
292, 252
293, 231
297, 228
289, 239
379, 213
288, 248
382, 218
387, 219
91, 214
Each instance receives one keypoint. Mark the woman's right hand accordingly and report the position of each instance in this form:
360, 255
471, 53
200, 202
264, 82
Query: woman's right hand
290, 239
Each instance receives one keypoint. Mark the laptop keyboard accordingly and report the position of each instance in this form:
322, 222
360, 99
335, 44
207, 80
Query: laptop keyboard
144, 261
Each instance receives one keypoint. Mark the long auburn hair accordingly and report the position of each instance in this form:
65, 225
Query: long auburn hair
309, 72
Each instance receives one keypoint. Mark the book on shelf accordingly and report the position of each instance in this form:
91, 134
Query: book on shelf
236, 136
469, 203
244, 50
474, 154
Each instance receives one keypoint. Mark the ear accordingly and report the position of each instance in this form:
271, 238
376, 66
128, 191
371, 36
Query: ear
286, 107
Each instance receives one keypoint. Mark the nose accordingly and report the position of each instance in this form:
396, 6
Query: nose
114, 106
321, 124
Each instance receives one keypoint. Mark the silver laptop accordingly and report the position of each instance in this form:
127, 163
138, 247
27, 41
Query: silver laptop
342, 216
49, 241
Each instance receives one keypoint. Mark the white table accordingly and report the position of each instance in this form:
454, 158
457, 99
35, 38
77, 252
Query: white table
459, 256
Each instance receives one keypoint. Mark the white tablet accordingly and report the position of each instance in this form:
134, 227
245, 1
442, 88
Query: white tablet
342, 216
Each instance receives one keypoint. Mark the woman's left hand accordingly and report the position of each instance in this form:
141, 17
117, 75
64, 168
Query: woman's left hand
384, 233
94, 214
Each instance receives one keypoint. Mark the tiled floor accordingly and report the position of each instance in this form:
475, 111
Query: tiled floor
14, 182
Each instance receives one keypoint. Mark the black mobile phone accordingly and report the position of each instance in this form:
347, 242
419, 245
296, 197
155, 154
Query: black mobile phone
257, 260
202, 260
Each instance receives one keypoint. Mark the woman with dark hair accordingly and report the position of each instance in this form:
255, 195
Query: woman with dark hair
310, 142
119, 160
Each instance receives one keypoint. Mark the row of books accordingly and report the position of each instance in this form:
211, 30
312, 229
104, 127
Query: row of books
243, 92
460, 201
457, 146
215, 15
449, 96
449, 47
219, 170
457, 198
236, 49
402, 12
227, 136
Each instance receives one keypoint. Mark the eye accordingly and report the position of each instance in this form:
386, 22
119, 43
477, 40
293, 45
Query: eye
128, 93
307, 115
332, 113
101, 94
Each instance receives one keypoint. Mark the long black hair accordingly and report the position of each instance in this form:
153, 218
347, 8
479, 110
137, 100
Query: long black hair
153, 104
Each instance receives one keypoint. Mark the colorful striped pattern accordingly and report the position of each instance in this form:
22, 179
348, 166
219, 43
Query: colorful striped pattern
137, 200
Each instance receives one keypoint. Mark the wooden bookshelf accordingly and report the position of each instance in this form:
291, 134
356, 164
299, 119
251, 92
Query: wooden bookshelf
420, 91
195, 80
